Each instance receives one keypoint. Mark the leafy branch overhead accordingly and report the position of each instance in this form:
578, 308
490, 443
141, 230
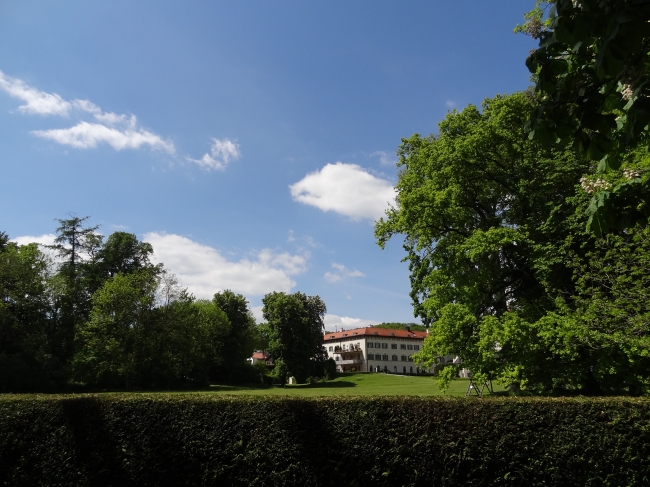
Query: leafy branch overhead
592, 70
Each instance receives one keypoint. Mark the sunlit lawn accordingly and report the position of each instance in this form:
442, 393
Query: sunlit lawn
357, 385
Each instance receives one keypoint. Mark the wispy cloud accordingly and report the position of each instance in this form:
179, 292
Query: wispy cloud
35, 101
47, 239
451, 104
221, 153
117, 130
86, 135
333, 322
385, 159
347, 189
341, 273
204, 270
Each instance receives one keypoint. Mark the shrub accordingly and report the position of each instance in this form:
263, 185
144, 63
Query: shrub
203, 439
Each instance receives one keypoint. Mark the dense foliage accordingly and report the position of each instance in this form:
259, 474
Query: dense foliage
502, 267
295, 335
101, 314
592, 70
401, 326
209, 440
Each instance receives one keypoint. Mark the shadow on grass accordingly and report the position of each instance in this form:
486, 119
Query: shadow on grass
250, 387
326, 385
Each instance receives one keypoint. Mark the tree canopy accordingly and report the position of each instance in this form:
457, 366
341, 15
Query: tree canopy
501, 264
295, 334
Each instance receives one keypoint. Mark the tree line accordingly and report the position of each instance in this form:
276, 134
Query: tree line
97, 312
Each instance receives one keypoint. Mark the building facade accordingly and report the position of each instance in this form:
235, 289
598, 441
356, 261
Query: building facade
376, 350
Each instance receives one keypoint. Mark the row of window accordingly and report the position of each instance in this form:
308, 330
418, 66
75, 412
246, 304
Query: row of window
378, 356
385, 345
402, 346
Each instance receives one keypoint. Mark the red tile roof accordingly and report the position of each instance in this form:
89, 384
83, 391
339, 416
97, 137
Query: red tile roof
370, 331
261, 356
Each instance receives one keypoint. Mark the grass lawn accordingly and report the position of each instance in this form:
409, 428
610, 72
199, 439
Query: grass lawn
352, 384
357, 385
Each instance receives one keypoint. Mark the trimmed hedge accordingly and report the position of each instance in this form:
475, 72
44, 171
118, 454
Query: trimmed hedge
203, 439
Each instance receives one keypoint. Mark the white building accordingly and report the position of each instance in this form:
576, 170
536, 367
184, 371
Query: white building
376, 350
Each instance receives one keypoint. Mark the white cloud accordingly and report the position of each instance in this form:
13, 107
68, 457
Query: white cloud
221, 153
47, 239
385, 159
451, 104
257, 313
118, 131
42, 240
36, 101
204, 271
343, 273
347, 189
86, 135
333, 322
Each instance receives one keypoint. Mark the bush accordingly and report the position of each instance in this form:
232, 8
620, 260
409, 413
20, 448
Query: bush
203, 439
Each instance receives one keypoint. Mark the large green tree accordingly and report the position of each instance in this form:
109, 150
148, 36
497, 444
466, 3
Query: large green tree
75, 244
592, 70
240, 340
26, 361
295, 324
494, 233
114, 345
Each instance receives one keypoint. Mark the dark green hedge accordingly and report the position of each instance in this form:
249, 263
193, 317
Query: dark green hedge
214, 440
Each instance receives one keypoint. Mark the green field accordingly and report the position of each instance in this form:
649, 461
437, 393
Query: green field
357, 385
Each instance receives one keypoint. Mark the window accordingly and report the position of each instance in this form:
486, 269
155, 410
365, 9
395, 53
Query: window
393, 346
411, 370
402, 346
384, 345
405, 369
331, 349
371, 356
370, 345
410, 347
396, 369
384, 357
394, 359
403, 358
338, 358
410, 359
416, 347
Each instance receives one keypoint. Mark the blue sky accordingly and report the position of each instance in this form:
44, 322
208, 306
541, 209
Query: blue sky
251, 142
